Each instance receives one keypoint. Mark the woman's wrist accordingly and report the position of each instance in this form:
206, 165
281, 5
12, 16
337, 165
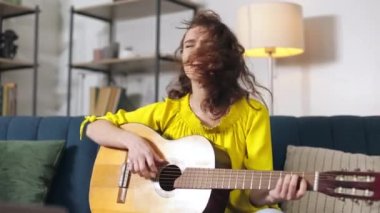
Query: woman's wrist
261, 198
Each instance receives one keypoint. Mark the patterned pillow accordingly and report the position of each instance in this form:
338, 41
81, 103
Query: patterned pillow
311, 159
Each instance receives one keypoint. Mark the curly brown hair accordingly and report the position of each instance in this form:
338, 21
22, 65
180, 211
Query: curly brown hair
221, 66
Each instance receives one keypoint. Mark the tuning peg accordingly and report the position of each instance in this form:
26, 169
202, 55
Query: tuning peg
357, 170
369, 202
342, 199
370, 170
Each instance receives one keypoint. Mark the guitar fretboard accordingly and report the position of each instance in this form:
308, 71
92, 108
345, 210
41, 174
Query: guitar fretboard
203, 178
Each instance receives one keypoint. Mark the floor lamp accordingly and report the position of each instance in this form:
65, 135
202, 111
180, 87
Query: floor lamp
272, 30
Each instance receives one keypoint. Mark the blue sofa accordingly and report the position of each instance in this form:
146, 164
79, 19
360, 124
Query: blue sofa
71, 183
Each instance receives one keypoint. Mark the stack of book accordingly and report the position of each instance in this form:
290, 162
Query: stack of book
8, 99
107, 99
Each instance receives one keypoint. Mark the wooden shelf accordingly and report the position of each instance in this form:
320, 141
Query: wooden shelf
12, 64
131, 9
129, 65
7, 9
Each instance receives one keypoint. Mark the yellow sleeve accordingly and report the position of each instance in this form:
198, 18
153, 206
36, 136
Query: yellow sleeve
258, 141
150, 115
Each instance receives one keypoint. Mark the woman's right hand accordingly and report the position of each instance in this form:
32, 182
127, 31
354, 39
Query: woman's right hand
142, 158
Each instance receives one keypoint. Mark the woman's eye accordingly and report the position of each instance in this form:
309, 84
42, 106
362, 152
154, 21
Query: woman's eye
189, 46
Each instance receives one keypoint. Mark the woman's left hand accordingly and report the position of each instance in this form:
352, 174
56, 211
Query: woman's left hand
290, 187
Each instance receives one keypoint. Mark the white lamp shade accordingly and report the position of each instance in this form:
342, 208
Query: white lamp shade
274, 28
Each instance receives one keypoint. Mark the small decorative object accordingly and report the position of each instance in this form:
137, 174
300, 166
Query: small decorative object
110, 51
97, 54
127, 52
7, 47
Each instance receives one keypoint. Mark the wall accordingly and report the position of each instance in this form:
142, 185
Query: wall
336, 75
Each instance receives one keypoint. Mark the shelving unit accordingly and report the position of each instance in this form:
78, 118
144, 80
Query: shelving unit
8, 11
127, 10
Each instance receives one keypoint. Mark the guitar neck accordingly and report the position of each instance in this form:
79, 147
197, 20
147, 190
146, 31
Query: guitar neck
204, 178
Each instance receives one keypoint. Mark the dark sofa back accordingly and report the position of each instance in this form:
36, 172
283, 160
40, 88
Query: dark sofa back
352, 134
71, 184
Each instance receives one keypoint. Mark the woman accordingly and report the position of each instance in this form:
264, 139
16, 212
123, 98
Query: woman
209, 100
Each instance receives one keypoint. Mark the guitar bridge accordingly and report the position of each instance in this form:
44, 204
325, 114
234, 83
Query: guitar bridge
123, 184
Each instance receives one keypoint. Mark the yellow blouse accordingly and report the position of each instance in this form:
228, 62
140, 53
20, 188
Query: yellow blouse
244, 132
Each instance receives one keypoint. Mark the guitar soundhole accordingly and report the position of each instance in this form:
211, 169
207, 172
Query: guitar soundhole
167, 177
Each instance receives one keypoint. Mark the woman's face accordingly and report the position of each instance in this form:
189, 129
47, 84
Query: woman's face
194, 38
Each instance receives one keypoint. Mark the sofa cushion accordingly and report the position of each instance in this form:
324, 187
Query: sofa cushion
311, 159
27, 168
354, 134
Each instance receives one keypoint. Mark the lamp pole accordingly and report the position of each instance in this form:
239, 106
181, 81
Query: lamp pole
270, 51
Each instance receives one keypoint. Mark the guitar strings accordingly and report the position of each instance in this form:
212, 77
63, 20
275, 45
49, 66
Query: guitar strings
249, 174
239, 183
270, 173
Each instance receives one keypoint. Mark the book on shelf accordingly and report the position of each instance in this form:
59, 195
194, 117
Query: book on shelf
108, 99
8, 96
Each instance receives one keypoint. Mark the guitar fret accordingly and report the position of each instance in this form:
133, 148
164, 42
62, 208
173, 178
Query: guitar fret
203, 178
212, 181
229, 180
261, 175
199, 177
244, 178
190, 180
194, 177
253, 173
223, 187
270, 179
217, 179
187, 180
210, 173
193, 180
214, 177
236, 178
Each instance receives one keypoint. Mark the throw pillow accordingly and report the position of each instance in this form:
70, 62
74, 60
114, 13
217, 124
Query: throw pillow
27, 168
311, 159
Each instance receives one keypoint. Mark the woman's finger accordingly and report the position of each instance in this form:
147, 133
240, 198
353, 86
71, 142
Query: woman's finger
302, 190
292, 187
151, 164
285, 186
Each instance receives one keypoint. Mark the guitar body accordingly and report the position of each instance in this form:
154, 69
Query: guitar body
143, 195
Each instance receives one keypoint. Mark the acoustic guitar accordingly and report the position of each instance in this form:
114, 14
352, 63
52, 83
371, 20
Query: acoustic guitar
190, 181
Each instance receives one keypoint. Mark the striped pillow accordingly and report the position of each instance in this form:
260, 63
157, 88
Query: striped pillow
311, 159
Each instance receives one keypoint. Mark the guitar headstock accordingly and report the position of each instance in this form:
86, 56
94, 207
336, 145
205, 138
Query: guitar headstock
350, 184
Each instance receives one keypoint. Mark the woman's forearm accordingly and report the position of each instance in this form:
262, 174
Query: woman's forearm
107, 134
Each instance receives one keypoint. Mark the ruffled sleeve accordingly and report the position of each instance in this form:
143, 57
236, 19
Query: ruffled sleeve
152, 115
